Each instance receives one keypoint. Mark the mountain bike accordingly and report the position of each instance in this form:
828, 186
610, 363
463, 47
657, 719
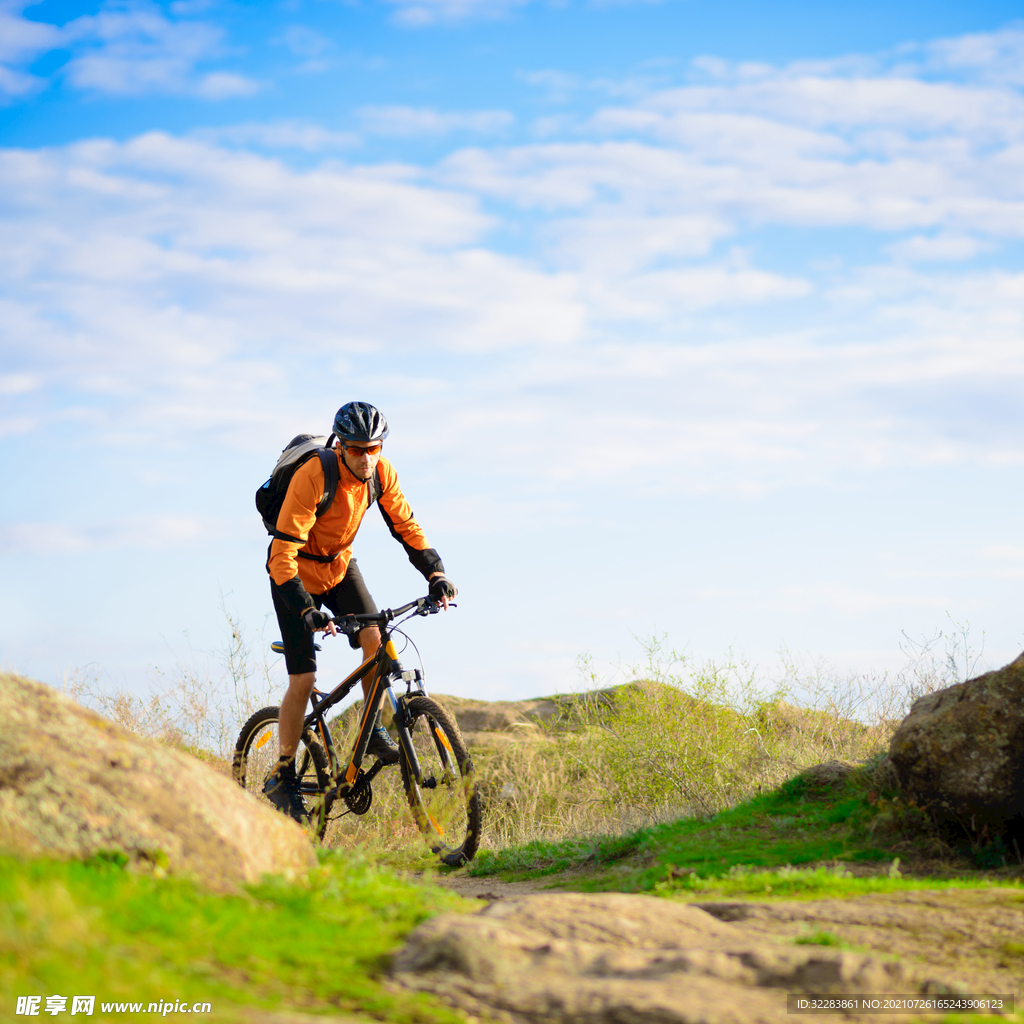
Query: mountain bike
436, 769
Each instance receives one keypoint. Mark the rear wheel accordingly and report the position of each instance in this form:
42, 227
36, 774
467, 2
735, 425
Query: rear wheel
444, 799
256, 754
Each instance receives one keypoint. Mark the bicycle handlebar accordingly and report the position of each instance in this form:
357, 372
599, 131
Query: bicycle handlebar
349, 623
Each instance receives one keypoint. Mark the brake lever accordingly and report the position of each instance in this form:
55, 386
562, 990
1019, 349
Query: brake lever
347, 625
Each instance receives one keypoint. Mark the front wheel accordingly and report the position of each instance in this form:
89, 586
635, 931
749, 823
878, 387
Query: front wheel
256, 754
445, 801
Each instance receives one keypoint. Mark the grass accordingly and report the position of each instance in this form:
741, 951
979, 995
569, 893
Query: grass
788, 826
818, 939
674, 785
704, 735
319, 946
792, 842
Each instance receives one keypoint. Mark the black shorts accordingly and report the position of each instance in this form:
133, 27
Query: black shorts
349, 597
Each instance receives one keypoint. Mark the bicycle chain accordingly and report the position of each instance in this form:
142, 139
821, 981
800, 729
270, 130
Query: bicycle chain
359, 796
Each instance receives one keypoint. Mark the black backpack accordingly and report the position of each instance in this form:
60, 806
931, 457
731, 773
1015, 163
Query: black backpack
300, 449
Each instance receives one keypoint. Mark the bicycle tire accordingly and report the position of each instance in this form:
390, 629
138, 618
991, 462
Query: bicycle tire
255, 757
449, 812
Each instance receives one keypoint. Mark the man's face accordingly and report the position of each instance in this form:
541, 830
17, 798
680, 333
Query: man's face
361, 457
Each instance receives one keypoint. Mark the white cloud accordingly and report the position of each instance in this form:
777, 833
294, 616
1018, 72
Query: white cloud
22, 38
300, 135
941, 247
128, 50
307, 43
17, 83
420, 13
413, 121
995, 56
57, 538
829, 146
619, 241
638, 278
21, 41
138, 50
854, 602
304, 41
223, 85
180, 279
18, 383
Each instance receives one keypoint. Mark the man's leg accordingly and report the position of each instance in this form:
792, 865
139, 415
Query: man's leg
369, 641
349, 597
281, 786
293, 711
381, 745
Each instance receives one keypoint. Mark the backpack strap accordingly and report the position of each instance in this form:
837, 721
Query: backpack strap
329, 461
374, 488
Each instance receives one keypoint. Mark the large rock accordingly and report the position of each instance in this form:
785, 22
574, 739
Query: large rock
592, 959
960, 754
73, 784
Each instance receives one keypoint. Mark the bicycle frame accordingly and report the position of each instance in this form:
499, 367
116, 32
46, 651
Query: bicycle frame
384, 667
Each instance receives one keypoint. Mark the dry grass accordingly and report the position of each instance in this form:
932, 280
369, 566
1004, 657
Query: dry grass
682, 739
199, 706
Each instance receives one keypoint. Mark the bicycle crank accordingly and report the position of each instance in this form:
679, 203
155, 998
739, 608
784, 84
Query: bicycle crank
359, 795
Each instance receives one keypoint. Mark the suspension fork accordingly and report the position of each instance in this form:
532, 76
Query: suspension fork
404, 723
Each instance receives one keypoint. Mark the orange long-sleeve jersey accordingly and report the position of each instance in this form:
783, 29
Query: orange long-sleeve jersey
334, 532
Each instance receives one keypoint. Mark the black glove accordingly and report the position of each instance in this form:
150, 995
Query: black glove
441, 586
315, 619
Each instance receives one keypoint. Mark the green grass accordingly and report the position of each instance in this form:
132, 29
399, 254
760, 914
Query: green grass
787, 826
772, 845
321, 945
818, 939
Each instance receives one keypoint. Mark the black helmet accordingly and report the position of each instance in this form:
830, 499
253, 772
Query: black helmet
360, 421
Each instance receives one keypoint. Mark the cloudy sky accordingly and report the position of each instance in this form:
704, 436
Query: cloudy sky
704, 319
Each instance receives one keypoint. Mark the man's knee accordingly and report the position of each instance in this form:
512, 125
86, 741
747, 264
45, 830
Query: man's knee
301, 685
369, 641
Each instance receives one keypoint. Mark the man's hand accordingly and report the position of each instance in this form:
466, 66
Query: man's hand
442, 590
316, 619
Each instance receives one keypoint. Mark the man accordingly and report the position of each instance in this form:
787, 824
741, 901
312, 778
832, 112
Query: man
314, 566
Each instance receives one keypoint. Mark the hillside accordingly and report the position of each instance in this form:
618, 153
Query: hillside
798, 888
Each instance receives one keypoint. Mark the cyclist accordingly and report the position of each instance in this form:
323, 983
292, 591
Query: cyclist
311, 564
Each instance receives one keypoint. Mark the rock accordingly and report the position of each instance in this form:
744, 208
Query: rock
615, 957
960, 754
501, 715
561, 711
827, 777
72, 784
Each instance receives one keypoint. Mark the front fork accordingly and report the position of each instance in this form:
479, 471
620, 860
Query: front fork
404, 723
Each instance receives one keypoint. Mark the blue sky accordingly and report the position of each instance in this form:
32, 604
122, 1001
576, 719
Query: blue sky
699, 318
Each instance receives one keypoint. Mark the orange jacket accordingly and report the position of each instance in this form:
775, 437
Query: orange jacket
334, 532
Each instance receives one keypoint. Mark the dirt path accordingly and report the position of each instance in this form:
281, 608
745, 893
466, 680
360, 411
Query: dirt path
975, 934
492, 889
